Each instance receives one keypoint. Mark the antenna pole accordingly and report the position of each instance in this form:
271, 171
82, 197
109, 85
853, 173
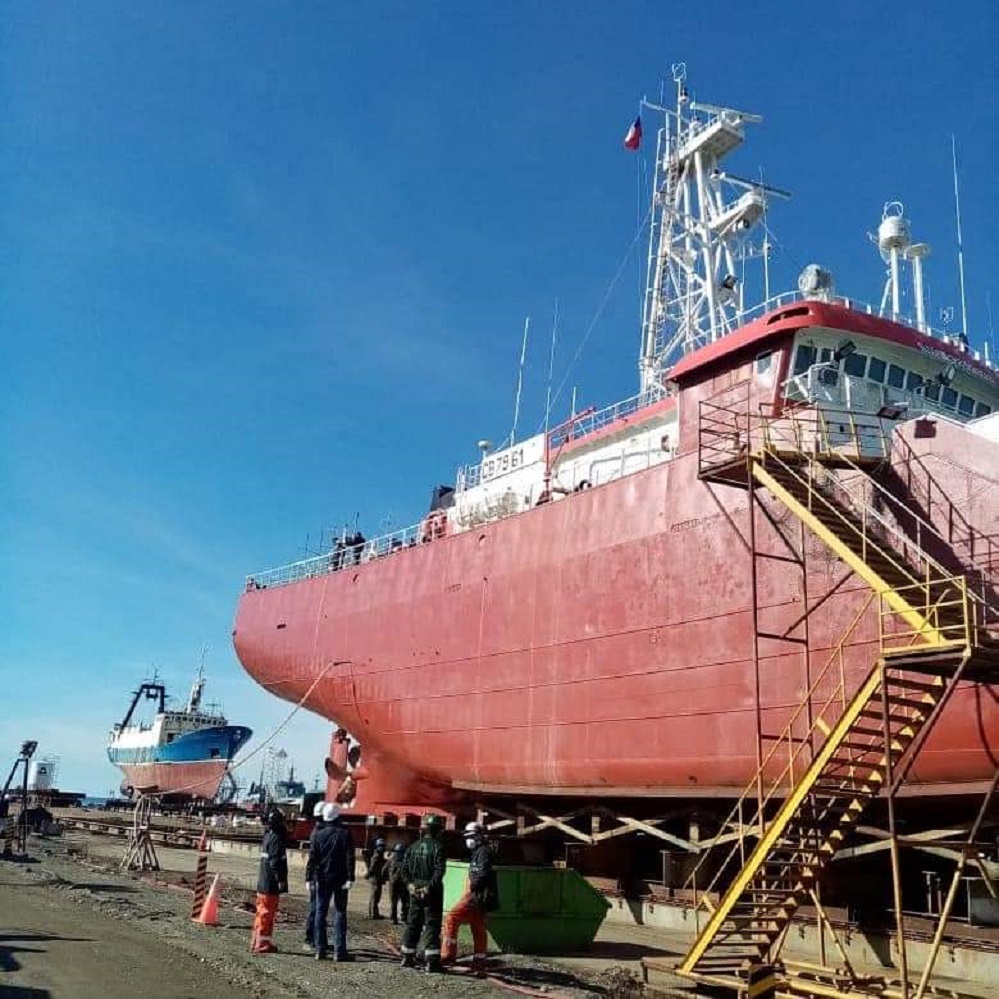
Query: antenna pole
520, 381
990, 339
960, 242
551, 366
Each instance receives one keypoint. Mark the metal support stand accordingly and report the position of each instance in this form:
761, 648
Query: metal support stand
954, 885
896, 867
140, 854
28, 748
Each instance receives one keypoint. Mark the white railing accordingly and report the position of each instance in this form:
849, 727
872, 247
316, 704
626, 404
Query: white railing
791, 297
341, 557
468, 477
589, 422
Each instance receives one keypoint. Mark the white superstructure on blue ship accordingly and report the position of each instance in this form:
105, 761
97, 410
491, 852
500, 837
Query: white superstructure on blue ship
183, 752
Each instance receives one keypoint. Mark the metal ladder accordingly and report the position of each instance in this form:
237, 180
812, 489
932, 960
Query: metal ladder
929, 642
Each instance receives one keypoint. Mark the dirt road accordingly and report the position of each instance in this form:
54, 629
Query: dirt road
72, 927
52, 946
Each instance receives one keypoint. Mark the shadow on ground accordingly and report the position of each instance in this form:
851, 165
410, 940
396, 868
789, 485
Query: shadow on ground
10, 945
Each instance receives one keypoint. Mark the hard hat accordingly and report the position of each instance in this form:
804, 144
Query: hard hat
432, 822
330, 812
317, 812
275, 818
398, 847
473, 829
379, 842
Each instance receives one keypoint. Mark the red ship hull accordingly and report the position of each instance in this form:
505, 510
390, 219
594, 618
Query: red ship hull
195, 780
601, 645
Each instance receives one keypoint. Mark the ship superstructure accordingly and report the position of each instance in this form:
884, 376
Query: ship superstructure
182, 752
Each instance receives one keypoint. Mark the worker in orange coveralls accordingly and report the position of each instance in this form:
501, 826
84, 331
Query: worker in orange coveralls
272, 882
481, 896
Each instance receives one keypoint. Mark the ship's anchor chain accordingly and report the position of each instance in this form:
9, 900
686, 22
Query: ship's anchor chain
140, 854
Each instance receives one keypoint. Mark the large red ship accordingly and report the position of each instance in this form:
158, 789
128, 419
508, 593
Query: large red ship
587, 613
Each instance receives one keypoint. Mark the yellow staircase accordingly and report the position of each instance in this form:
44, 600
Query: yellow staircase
929, 642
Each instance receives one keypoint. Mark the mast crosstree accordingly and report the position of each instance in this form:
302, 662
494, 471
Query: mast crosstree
703, 222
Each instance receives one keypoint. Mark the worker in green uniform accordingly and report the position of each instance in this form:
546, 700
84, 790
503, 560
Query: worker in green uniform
423, 867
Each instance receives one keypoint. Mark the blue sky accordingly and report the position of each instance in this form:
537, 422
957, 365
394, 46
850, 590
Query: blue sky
264, 266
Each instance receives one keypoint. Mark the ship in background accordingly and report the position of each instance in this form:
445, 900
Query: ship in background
590, 613
183, 753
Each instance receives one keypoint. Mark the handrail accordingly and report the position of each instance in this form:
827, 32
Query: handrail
588, 422
791, 297
861, 532
898, 538
974, 537
953, 632
788, 732
342, 557
980, 601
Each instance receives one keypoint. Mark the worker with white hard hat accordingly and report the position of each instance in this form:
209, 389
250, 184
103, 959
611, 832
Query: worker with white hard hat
317, 823
330, 868
481, 896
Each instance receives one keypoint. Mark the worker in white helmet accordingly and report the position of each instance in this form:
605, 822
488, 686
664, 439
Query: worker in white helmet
331, 868
481, 896
317, 824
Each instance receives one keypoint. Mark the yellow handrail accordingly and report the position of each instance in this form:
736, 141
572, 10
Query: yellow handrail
788, 731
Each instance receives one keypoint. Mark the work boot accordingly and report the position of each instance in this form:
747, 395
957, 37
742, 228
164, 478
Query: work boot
408, 961
433, 966
478, 967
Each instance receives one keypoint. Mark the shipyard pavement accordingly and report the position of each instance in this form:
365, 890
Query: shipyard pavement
72, 927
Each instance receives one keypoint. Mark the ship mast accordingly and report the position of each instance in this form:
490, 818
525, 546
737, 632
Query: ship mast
702, 221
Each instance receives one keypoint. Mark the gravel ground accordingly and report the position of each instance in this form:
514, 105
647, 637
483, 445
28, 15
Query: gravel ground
71, 926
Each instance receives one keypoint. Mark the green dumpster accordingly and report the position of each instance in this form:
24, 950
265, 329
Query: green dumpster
543, 910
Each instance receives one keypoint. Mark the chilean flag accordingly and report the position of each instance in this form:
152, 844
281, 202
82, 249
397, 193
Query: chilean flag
634, 137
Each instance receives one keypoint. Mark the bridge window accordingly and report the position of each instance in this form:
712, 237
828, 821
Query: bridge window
913, 381
804, 358
855, 364
948, 397
982, 409
896, 376
966, 405
876, 372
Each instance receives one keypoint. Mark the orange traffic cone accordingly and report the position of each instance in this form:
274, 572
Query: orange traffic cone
210, 910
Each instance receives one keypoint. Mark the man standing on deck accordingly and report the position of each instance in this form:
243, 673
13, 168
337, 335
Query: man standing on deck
331, 868
272, 882
424, 870
310, 939
480, 897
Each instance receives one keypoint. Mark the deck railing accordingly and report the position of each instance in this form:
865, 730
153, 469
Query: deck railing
791, 297
341, 556
598, 419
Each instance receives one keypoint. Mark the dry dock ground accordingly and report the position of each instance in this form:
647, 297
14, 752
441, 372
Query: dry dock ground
73, 927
